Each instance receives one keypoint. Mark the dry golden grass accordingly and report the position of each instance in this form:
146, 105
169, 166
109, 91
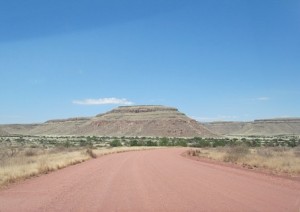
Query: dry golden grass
275, 159
22, 166
33, 162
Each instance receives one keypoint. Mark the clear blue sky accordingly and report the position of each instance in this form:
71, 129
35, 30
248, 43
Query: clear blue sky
212, 59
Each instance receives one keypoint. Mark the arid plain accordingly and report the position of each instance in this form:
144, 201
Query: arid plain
167, 161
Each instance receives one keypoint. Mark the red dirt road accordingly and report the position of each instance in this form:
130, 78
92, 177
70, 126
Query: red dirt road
154, 180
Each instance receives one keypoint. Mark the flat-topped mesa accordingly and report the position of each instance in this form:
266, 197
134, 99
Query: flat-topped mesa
143, 109
260, 127
67, 120
141, 112
278, 120
147, 120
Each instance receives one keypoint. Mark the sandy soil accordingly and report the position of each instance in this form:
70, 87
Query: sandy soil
157, 180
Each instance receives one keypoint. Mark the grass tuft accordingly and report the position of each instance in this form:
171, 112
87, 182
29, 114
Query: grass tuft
235, 153
91, 153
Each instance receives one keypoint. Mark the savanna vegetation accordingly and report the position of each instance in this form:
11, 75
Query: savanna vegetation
278, 159
22, 157
25, 156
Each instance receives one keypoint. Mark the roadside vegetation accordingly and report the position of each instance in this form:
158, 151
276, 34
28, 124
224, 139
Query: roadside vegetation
277, 160
26, 156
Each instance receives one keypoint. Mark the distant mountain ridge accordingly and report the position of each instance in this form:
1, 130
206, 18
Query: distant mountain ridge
260, 127
153, 121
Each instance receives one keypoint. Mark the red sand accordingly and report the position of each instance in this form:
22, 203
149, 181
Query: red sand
156, 180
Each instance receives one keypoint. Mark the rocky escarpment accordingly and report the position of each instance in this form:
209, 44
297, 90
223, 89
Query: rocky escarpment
226, 128
68, 120
262, 127
279, 120
147, 121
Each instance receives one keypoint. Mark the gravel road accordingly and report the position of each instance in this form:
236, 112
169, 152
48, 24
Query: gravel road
152, 180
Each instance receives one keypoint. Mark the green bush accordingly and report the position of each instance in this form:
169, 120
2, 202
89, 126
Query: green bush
180, 142
134, 142
164, 141
115, 143
151, 143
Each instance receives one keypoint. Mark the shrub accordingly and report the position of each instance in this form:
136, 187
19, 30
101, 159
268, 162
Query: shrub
30, 152
201, 143
233, 154
292, 143
193, 152
67, 144
115, 143
91, 153
82, 143
219, 142
164, 141
181, 142
133, 142
265, 152
151, 143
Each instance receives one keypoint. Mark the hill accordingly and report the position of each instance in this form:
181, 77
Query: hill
3, 132
16, 129
148, 120
263, 127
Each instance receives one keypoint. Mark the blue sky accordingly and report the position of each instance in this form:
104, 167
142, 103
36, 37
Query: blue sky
213, 59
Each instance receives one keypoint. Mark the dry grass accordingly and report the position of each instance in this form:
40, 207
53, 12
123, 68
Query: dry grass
275, 159
22, 166
27, 163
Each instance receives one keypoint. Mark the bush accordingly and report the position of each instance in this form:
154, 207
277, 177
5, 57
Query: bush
219, 142
151, 143
292, 143
233, 154
164, 141
201, 143
133, 142
180, 142
30, 152
115, 143
91, 153
193, 152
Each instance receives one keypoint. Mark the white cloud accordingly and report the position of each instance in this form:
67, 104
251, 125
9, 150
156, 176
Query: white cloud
103, 101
